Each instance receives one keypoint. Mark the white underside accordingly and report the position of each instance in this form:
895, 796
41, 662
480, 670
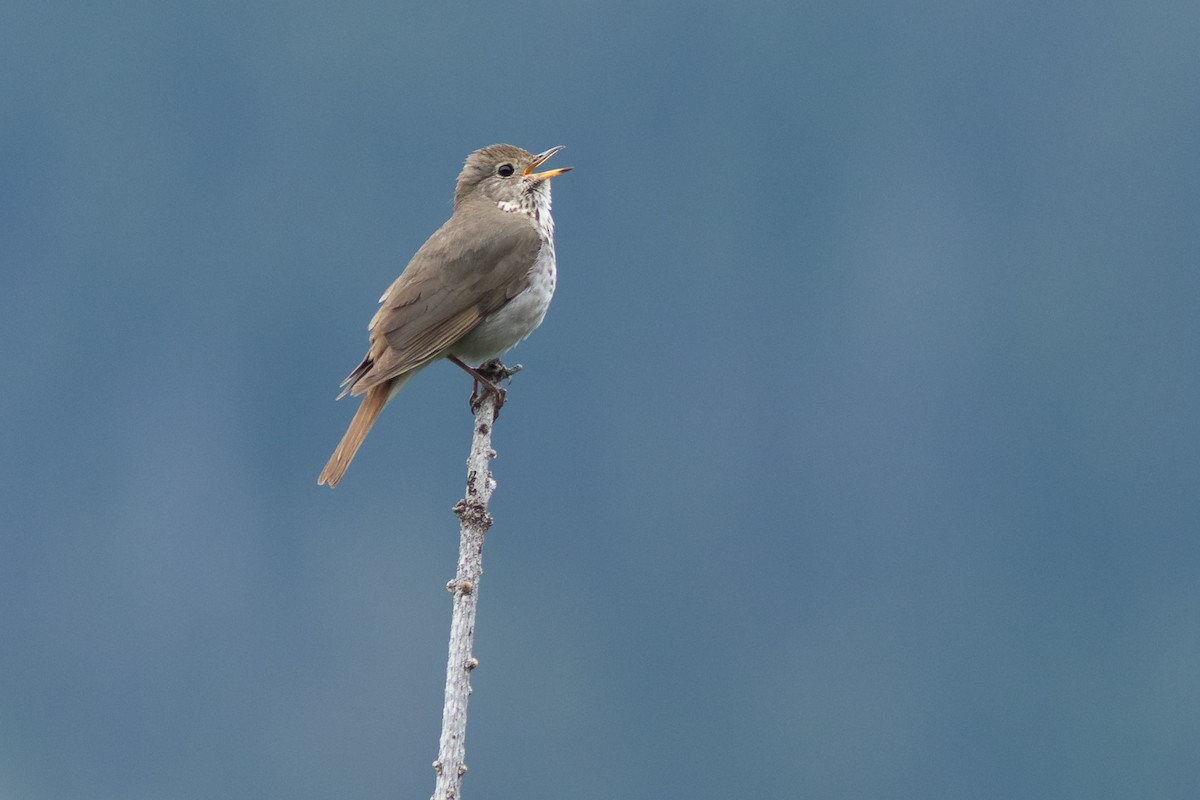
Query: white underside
501, 331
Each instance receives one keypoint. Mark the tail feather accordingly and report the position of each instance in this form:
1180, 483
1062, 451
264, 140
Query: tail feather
368, 411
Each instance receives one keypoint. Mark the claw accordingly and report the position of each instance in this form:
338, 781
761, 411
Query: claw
486, 380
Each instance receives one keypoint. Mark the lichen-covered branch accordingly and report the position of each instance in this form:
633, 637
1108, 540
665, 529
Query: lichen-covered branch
475, 520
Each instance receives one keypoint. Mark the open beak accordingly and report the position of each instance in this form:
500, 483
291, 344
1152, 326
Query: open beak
540, 159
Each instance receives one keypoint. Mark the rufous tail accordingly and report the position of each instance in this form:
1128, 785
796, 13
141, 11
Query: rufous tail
368, 411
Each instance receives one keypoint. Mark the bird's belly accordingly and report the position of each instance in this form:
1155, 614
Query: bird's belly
502, 330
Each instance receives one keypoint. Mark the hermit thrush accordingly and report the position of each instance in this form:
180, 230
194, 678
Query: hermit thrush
480, 284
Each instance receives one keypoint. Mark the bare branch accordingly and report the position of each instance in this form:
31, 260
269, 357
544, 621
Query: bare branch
474, 520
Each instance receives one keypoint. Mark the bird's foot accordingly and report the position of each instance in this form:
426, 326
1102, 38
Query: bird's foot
495, 371
480, 390
486, 380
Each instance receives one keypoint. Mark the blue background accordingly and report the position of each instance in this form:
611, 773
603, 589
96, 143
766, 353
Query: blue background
857, 457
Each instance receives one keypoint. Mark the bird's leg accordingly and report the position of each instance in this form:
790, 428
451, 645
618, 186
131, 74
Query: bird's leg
478, 380
486, 380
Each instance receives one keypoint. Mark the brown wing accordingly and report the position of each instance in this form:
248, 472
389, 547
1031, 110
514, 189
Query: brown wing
468, 269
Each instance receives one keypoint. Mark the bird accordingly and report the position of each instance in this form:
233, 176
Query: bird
479, 285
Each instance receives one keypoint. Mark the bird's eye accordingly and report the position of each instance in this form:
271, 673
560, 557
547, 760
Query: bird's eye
505, 170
